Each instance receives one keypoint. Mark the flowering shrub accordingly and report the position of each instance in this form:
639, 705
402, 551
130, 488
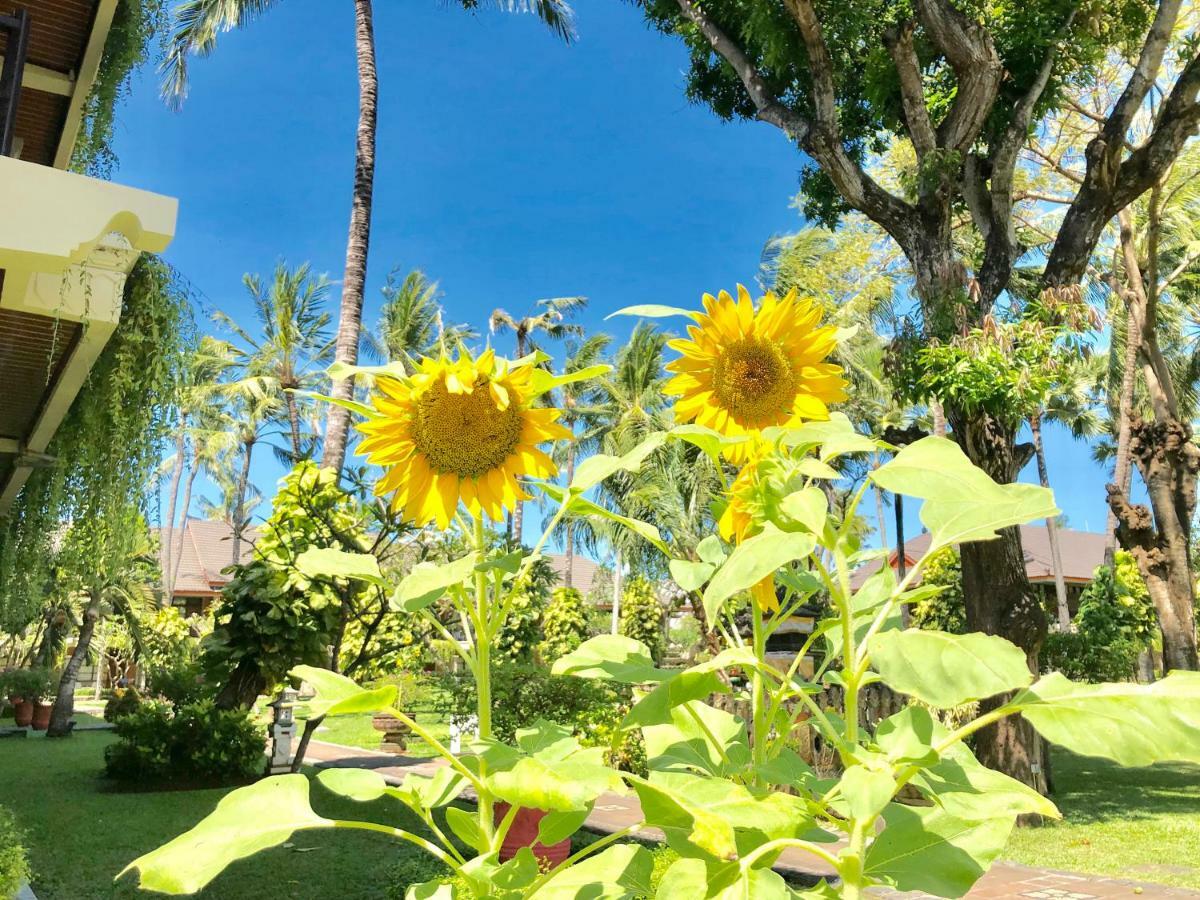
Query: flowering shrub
459, 444
564, 624
642, 617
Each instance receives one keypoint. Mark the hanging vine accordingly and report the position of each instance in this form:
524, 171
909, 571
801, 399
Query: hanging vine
106, 449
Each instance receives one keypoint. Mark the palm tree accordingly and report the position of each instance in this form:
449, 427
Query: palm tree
292, 346
549, 318
197, 24
411, 323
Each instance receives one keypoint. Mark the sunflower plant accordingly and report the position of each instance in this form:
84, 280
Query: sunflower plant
728, 791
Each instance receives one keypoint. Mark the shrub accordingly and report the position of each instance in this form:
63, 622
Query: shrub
521, 631
946, 611
29, 684
196, 740
641, 616
123, 702
14, 866
179, 683
1080, 657
564, 624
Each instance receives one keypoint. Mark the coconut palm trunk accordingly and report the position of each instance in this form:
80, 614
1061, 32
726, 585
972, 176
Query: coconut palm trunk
569, 537
239, 512
1060, 583
294, 423
169, 531
187, 505
64, 700
337, 424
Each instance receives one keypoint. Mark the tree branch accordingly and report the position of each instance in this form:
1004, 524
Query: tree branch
899, 42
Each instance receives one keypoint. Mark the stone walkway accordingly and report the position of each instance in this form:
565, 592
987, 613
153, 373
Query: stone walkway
614, 812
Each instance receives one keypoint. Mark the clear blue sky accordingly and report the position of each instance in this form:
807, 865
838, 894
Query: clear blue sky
510, 167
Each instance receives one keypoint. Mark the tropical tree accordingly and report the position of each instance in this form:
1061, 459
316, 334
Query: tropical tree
197, 24
965, 88
292, 346
411, 323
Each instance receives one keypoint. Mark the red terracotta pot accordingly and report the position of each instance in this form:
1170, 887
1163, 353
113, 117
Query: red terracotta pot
23, 713
524, 832
41, 716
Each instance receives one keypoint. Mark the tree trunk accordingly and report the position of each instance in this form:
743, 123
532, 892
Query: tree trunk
169, 531
939, 417
569, 538
239, 512
187, 505
901, 558
64, 700
616, 604
310, 728
337, 422
294, 425
1121, 469
1060, 584
242, 687
880, 515
999, 600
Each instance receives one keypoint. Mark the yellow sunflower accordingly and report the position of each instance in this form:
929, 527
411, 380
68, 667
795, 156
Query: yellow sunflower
738, 522
458, 430
743, 370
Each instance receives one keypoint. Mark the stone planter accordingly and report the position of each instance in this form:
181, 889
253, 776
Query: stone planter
395, 733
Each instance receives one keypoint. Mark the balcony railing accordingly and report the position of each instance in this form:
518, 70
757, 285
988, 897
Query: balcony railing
15, 27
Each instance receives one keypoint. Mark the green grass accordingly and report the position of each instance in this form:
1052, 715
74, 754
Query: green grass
80, 832
1140, 824
80, 718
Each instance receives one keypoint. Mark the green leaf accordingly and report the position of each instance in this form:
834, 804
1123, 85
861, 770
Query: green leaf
360, 408
362, 785
431, 890
961, 502
836, 437
681, 821
337, 695
927, 849
652, 311
330, 562
718, 748
622, 872
583, 506
696, 683
751, 562
867, 791
613, 657
465, 826
431, 793
711, 550
864, 607
691, 576
543, 381
561, 786
946, 670
558, 826
339, 370
245, 821
807, 507
703, 879
1132, 724
710, 441
965, 788
509, 563
428, 581
909, 735
600, 466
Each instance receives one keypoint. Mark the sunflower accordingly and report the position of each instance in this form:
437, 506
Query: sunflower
739, 521
458, 430
743, 370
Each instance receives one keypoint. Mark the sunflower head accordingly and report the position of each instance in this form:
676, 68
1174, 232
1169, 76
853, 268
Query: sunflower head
742, 370
458, 430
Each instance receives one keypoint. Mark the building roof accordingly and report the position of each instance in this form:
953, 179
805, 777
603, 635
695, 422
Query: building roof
1082, 552
208, 548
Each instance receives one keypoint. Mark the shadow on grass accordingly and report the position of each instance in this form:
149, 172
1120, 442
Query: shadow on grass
1089, 790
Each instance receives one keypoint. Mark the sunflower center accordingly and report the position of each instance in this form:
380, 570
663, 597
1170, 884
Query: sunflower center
464, 434
753, 379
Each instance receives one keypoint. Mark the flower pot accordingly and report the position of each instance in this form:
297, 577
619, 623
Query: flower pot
524, 832
23, 712
41, 715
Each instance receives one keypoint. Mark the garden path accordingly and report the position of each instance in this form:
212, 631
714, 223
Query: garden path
615, 812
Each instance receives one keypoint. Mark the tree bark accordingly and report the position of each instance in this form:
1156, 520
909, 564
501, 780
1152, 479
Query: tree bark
242, 687
1060, 584
1121, 468
294, 425
169, 531
616, 604
569, 538
239, 513
187, 505
337, 423
64, 700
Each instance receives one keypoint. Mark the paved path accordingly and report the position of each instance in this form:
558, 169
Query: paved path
614, 812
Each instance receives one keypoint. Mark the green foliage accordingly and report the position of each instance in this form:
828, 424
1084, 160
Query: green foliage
564, 624
945, 610
519, 637
196, 740
31, 684
167, 639
642, 617
14, 866
123, 702
134, 26
107, 449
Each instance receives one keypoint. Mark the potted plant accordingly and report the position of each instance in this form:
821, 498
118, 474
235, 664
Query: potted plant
26, 688
41, 704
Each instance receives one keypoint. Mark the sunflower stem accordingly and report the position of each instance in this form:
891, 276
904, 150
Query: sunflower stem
483, 674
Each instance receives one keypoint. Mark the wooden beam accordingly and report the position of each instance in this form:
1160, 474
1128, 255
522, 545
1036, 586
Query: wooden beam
48, 81
84, 80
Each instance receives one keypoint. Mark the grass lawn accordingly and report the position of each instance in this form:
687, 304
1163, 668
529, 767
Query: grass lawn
1142, 824
81, 832
357, 731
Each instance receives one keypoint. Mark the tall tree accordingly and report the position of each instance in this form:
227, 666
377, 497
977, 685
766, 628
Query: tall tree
291, 347
965, 87
411, 323
197, 24
549, 318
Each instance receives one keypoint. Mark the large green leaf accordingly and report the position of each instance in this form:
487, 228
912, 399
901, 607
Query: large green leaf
697, 683
836, 437
549, 770
867, 791
927, 849
613, 657
337, 695
701, 879
946, 670
752, 561
718, 748
865, 605
428, 581
600, 466
961, 502
691, 576
362, 785
246, 821
652, 311
1133, 724
543, 381
618, 873
710, 441
330, 562
582, 506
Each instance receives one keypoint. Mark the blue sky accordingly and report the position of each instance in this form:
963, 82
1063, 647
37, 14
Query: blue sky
510, 167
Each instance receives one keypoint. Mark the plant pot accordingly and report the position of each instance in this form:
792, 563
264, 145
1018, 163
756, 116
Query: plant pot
23, 712
41, 715
524, 832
